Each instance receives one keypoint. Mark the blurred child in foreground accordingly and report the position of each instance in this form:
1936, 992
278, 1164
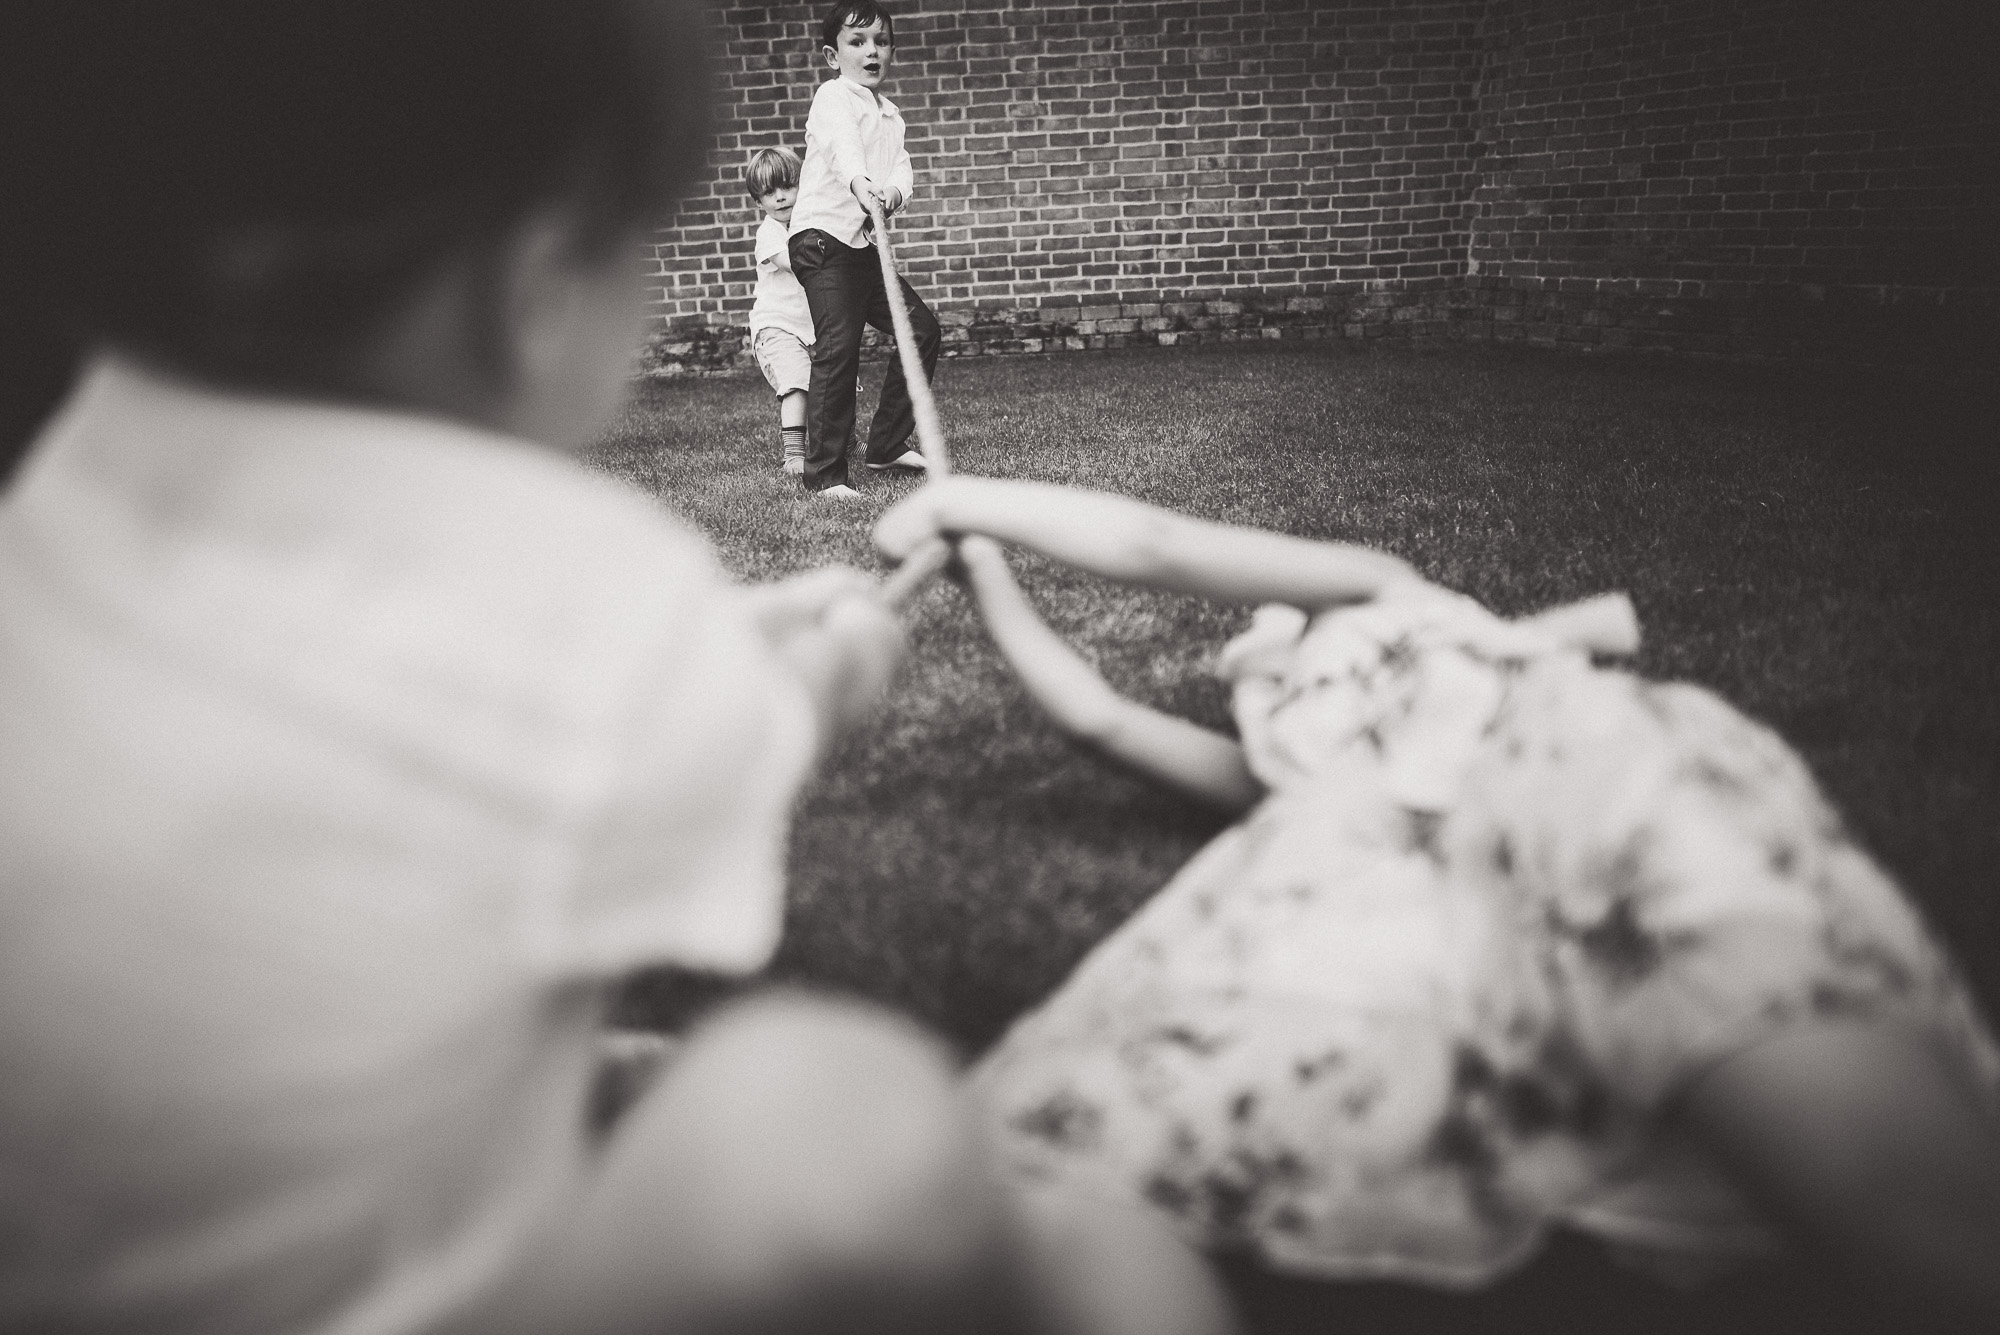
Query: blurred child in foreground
356, 738
1505, 942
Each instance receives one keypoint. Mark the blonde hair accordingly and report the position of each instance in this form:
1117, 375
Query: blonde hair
770, 169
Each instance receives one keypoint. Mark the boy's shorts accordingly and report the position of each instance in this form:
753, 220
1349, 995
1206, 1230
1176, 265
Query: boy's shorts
785, 362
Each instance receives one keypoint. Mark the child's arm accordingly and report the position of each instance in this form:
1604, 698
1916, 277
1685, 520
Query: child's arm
902, 181
828, 626
1127, 540
1203, 764
1606, 624
890, 192
1861, 1143
832, 129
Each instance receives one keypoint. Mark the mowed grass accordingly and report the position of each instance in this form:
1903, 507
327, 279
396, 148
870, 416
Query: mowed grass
1814, 548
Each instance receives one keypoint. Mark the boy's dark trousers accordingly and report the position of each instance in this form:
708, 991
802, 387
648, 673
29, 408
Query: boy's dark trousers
844, 291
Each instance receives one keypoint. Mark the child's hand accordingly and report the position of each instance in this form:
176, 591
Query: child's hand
829, 627
866, 645
914, 520
870, 194
978, 564
788, 606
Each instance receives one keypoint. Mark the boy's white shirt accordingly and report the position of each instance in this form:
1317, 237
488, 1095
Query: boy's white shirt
346, 752
851, 131
781, 302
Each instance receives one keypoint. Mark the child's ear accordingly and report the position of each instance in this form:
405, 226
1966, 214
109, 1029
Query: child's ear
832, 57
564, 317
537, 305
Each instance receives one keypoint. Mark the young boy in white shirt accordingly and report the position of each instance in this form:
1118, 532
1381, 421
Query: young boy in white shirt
355, 739
854, 158
781, 327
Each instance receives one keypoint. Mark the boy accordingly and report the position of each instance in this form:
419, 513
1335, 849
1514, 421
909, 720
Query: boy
781, 329
854, 159
356, 740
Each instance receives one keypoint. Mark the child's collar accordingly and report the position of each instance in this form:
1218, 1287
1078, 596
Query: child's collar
874, 95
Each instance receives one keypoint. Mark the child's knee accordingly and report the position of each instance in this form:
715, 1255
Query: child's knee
851, 1150
827, 1047
1113, 1269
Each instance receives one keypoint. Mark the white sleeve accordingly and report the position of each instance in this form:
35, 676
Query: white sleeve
902, 175
833, 129
773, 248
684, 862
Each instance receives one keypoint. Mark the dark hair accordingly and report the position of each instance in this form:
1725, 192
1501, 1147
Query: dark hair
860, 13
236, 183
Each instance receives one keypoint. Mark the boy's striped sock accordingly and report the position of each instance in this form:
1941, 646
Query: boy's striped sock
793, 438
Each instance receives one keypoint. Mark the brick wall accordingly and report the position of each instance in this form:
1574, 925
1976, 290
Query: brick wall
1685, 174
1769, 177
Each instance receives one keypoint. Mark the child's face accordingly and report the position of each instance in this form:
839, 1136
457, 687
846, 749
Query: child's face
777, 205
863, 53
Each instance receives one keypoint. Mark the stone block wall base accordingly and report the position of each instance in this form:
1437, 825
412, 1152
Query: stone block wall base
1932, 328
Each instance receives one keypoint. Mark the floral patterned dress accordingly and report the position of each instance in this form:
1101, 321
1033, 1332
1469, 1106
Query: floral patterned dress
1425, 1002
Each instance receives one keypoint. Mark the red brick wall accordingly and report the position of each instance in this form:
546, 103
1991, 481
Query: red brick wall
1734, 178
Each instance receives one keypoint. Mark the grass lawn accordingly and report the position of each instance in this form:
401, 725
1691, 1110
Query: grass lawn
1814, 548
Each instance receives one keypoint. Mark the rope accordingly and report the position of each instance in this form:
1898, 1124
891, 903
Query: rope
924, 563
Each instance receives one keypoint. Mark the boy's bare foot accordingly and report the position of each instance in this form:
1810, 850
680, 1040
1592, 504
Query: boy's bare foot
908, 459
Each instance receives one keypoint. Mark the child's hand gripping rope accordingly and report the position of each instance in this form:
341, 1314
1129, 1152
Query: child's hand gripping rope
928, 559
